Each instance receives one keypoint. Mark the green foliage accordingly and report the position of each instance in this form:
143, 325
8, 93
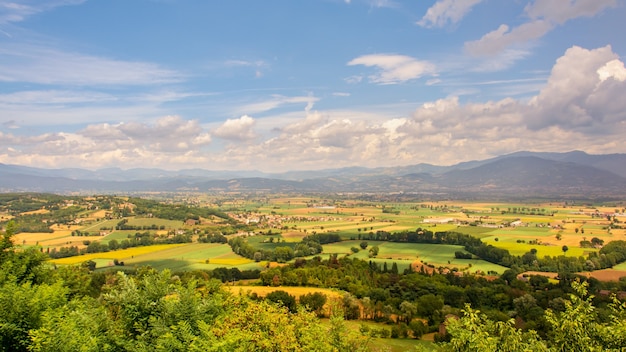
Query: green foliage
19, 265
21, 308
81, 325
283, 298
313, 302
577, 328
475, 333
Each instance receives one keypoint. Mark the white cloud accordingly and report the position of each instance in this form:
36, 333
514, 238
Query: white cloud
275, 102
613, 69
169, 142
584, 92
544, 16
497, 41
447, 11
580, 106
42, 65
498, 62
394, 68
561, 11
45, 97
19, 10
240, 129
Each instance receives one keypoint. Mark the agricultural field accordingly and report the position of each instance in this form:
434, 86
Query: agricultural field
263, 291
405, 255
177, 257
510, 226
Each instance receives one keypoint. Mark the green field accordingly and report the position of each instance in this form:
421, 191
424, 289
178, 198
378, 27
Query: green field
117, 235
553, 249
194, 256
177, 257
403, 254
621, 266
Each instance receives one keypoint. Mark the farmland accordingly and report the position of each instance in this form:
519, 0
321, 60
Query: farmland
283, 221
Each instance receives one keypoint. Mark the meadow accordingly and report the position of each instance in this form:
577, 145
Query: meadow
406, 254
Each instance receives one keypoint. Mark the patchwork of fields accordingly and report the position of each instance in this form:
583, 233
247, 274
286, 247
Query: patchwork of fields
518, 228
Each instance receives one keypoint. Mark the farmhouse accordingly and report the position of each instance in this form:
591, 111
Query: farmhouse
438, 220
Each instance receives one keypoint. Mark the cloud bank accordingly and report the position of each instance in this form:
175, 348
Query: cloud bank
581, 106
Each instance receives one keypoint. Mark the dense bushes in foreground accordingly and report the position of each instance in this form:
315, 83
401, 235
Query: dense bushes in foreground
73, 309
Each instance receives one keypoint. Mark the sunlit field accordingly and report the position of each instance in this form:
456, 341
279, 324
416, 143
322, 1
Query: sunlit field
122, 254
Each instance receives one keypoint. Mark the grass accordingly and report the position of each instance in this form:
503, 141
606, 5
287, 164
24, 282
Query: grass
620, 267
554, 249
118, 235
404, 254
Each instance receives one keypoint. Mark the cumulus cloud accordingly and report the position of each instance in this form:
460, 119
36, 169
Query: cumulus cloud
240, 129
167, 134
447, 11
393, 69
543, 16
584, 91
168, 142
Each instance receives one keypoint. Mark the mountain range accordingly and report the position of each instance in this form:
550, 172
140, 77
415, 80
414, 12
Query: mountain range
522, 174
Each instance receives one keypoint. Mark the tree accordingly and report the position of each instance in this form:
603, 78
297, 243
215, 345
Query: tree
394, 268
374, 251
114, 245
418, 328
576, 328
597, 242
363, 244
408, 310
476, 333
314, 302
283, 298
564, 249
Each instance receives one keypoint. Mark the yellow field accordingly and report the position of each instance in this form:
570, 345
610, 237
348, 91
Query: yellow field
120, 255
229, 261
263, 291
59, 238
68, 241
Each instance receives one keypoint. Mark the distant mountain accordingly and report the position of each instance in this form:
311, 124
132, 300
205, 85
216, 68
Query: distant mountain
528, 174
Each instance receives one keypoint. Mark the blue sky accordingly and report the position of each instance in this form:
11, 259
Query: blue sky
307, 84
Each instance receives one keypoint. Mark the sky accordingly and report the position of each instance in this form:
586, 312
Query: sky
281, 85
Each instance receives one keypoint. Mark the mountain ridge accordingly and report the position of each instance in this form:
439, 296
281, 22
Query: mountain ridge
573, 173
